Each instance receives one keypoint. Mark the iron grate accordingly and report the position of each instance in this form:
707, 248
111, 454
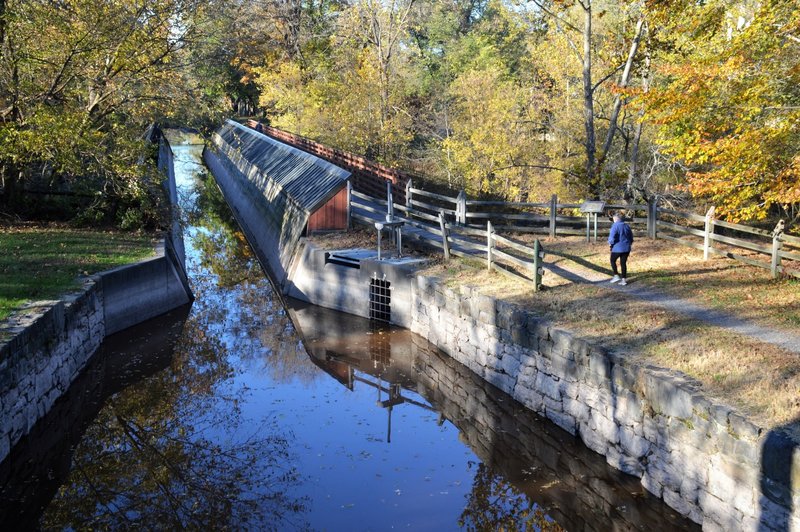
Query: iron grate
380, 300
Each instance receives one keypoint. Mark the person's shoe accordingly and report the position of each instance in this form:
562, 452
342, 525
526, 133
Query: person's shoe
615, 279
623, 282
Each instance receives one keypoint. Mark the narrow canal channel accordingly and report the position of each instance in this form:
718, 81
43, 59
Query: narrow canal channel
241, 414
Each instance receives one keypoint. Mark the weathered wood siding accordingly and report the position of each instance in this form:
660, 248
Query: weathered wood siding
332, 216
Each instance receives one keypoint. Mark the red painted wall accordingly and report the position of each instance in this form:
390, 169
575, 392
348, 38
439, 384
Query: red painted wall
332, 216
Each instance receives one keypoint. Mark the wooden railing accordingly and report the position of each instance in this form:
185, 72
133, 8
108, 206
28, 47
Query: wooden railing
550, 218
774, 247
556, 218
502, 254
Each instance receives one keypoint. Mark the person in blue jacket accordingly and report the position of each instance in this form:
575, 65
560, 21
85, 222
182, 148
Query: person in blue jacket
620, 239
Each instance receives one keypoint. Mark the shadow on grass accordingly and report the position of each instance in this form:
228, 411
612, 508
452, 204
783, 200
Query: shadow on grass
577, 260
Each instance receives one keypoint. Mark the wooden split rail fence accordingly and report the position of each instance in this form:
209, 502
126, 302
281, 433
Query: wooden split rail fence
657, 222
432, 212
502, 254
774, 247
551, 218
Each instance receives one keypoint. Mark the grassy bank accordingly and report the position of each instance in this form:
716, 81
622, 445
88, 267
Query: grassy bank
42, 263
719, 283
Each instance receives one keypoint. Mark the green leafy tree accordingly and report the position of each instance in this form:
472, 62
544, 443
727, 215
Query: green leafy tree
76, 99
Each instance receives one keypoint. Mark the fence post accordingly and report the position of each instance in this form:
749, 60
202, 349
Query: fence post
652, 217
488, 245
461, 207
409, 186
708, 230
389, 200
349, 203
445, 243
553, 205
777, 233
538, 255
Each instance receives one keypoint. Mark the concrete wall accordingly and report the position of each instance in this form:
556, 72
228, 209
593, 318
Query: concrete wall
342, 288
137, 292
166, 163
705, 460
45, 345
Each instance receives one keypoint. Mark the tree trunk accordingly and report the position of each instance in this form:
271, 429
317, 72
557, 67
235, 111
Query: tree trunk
2, 25
11, 177
626, 74
633, 168
588, 102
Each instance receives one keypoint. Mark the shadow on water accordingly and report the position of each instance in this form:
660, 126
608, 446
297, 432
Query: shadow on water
40, 462
780, 465
529, 468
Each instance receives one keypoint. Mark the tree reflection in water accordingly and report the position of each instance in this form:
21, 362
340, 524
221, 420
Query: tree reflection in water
190, 447
495, 504
264, 333
174, 451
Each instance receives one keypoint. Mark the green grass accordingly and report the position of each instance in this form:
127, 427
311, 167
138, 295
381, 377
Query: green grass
43, 263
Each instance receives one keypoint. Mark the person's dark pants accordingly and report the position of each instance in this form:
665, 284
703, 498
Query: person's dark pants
623, 263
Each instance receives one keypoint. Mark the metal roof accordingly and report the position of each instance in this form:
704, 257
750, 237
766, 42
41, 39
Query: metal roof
308, 180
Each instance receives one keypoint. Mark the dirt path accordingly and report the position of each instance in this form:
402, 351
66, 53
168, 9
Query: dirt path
577, 273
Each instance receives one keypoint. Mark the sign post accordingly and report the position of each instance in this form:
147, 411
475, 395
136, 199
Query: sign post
591, 209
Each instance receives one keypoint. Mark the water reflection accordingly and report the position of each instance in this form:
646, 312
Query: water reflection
528, 468
40, 462
175, 450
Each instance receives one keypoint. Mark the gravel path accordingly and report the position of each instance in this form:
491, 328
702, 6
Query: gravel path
579, 274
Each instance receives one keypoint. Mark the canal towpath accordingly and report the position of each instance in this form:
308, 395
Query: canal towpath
576, 272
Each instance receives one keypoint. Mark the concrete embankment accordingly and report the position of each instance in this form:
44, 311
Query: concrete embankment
46, 344
702, 458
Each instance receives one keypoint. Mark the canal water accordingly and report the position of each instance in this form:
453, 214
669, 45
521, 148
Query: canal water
243, 413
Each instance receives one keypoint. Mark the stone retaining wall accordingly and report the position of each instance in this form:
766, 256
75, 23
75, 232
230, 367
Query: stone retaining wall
572, 483
705, 460
46, 344
40, 462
